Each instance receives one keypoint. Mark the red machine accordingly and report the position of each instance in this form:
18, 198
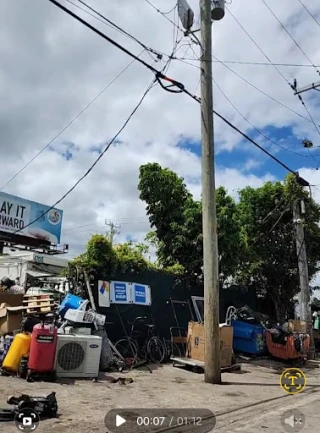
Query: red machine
42, 350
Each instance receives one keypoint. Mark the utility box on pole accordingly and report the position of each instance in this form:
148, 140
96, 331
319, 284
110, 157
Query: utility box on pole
186, 14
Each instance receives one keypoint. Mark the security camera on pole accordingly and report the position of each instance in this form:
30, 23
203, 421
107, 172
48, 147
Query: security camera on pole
209, 11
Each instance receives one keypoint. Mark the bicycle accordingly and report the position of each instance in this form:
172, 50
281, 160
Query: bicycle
144, 344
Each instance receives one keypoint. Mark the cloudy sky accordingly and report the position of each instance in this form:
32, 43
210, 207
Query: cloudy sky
52, 67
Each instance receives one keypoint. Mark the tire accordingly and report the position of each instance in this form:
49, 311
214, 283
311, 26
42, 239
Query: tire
127, 347
156, 350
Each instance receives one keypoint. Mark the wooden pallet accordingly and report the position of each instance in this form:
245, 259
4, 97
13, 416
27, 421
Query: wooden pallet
34, 310
198, 366
39, 303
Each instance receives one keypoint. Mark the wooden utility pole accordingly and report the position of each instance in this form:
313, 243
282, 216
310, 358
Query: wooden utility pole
114, 230
304, 298
209, 217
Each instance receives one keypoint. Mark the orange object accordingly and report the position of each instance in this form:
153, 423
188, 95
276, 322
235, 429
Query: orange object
287, 351
19, 348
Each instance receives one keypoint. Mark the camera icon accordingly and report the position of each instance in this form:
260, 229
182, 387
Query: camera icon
27, 420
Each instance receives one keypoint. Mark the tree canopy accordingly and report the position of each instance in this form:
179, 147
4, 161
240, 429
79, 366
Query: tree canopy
177, 221
255, 234
268, 237
104, 260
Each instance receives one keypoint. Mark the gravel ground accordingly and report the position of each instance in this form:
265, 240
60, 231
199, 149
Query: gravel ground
244, 395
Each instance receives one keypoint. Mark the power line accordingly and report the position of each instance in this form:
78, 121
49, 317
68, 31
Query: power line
290, 35
286, 167
239, 62
180, 88
97, 160
258, 46
255, 128
69, 124
310, 13
115, 26
164, 15
222, 62
260, 90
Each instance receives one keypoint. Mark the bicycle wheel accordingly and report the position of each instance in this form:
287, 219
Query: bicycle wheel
156, 350
127, 347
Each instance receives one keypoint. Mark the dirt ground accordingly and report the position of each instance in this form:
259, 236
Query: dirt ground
244, 395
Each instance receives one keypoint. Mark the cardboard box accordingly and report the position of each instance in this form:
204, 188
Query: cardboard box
196, 343
10, 318
298, 326
14, 300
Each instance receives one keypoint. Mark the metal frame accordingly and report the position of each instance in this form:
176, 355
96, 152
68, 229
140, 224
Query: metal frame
195, 306
42, 249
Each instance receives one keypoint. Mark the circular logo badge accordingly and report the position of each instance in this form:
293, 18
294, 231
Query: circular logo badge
27, 420
292, 421
293, 381
54, 217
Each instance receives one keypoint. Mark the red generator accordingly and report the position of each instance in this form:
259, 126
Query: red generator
42, 351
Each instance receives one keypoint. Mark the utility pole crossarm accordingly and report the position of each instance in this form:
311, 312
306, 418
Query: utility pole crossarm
114, 230
313, 86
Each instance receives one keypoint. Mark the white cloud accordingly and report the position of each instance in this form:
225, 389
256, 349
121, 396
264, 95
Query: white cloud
51, 67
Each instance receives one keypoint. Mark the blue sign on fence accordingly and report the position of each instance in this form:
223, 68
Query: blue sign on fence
139, 294
120, 292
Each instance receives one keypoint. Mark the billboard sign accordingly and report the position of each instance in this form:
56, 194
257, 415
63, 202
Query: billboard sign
16, 213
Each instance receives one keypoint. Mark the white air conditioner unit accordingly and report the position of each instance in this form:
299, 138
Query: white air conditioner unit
78, 355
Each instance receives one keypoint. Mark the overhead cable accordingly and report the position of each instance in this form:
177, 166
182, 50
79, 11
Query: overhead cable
310, 13
164, 14
261, 91
290, 35
258, 46
240, 62
112, 24
97, 160
222, 62
255, 128
69, 124
177, 87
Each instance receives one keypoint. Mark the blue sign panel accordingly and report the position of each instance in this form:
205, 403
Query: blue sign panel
139, 294
120, 292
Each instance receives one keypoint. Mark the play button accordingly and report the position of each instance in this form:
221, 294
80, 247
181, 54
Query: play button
119, 421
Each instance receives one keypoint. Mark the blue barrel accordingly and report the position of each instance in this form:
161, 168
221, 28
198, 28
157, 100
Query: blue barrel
248, 338
72, 302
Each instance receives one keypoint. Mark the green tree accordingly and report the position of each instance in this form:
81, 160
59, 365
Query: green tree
131, 257
177, 222
99, 258
103, 260
269, 261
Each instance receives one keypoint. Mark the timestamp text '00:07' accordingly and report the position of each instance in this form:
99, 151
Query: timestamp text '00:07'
159, 421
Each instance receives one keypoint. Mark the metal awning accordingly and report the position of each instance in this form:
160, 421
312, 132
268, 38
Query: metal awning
37, 274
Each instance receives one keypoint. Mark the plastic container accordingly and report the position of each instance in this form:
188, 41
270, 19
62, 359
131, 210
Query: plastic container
287, 351
20, 347
248, 338
72, 302
43, 348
